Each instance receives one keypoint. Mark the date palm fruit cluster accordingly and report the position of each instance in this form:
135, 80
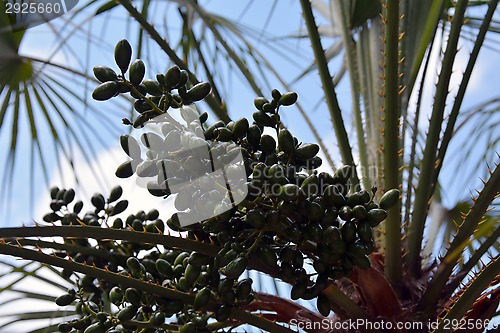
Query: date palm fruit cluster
291, 217
160, 91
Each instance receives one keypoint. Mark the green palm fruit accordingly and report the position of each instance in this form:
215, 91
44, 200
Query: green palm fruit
240, 128
223, 134
310, 186
315, 211
359, 212
365, 232
137, 71
286, 142
354, 199
230, 255
223, 313
160, 226
323, 305
375, 216
98, 201
64, 327
269, 107
164, 268
53, 192
203, 118
331, 235
134, 265
259, 102
348, 231
116, 295
182, 284
210, 131
326, 179
333, 196
124, 170
330, 218
312, 163
267, 144
203, 279
288, 98
127, 313
173, 77
178, 270
140, 91
133, 296
116, 193
253, 136
68, 196
276, 94
105, 91
152, 87
199, 91
95, 328
77, 208
192, 273
65, 299
261, 118
152, 215
289, 192
243, 288
235, 267
343, 174
142, 106
389, 199
364, 196
198, 259
123, 54
119, 207
255, 218
184, 77
180, 258
160, 78
124, 87
345, 213
277, 174
158, 319
102, 317
81, 324
306, 151
104, 74
298, 290
202, 298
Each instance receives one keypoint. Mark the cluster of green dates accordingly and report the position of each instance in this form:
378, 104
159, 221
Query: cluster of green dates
141, 312
68, 212
160, 96
291, 217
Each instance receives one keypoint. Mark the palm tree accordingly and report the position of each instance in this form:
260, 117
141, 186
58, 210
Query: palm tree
387, 51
